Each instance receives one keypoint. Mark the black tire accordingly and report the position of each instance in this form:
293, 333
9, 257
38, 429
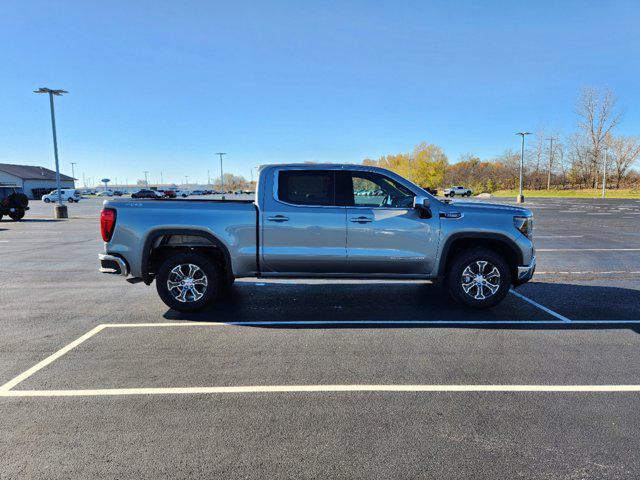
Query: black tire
167, 271
452, 194
0, 217
472, 298
47, 200
16, 216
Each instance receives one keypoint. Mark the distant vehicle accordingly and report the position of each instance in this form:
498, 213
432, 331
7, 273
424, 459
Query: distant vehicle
432, 191
70, 195
461, 191
117, 193
13, 202
311, 224
183, 193
105, 193
144, 193
168, 193
198, 192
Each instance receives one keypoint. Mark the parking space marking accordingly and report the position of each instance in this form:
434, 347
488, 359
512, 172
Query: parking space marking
587, 249
558, 236
541, 307
6, 389
51, 358
325, 389
589, 272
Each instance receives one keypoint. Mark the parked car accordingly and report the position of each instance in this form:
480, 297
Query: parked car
183, 193
105, 193
66, 194
13, 202
117, 193
168, 193
145, 193
197, 192
479, 251
460, 191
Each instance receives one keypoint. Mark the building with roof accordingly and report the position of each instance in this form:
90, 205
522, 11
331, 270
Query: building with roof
35, 181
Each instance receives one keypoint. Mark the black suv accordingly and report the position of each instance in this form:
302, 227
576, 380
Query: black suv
13, 202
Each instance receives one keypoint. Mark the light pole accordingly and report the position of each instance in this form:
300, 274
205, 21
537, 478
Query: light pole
73, 173
604, 174
550, 161
60, 210
520, 197
146, 181
186, 181
221, 174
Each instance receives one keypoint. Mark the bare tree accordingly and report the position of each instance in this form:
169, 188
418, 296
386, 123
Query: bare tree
597, 118
624, 151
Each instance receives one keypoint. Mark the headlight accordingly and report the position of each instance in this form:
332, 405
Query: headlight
525, 225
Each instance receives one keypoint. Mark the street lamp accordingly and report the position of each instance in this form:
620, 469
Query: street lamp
60, 209
221, 174
604, 174
520, 197
146, 181
73, 172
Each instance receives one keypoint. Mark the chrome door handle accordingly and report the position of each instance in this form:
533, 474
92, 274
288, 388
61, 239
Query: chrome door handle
361, 219
278, 218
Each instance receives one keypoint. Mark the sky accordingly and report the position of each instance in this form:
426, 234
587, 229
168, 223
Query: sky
162, 86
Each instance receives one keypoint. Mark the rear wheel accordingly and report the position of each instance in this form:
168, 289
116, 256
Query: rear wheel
47, 200
478, 278
452, 194
187, 281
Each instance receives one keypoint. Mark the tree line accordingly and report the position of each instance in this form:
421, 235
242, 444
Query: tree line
578, 160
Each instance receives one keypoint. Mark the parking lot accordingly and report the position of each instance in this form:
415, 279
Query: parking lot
317, 379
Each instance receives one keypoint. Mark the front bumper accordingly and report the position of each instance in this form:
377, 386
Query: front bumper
113, 265
525, 273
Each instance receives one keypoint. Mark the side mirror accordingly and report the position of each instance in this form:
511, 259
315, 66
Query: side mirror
424, 205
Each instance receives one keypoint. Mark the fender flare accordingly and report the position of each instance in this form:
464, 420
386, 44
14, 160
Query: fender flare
508, 242
154, 234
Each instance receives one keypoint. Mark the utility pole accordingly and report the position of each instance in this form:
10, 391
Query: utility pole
604, 174
146, 181
520, 197
186, 180
161, 179
60, 209
221, 173
208, 179
73, 173
550, 162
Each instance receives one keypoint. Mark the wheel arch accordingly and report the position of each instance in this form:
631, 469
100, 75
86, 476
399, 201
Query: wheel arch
158, 241
499, 243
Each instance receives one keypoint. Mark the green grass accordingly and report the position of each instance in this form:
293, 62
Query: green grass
586, 193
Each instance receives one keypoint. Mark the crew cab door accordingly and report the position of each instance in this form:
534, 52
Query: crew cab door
303, 231
385, 234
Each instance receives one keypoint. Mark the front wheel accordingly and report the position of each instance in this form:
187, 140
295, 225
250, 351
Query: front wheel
46, 200
187, 282
478, 278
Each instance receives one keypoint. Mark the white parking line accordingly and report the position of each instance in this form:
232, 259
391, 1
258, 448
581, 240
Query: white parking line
5, 390
541, 307
585, 272
587, 249
324, 389
558, 236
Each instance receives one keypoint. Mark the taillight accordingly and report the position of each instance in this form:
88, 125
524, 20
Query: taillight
107, 223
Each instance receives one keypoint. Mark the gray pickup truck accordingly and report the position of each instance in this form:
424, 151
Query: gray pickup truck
323, 221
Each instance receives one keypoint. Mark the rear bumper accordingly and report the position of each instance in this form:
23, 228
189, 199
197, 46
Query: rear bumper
525, 272
113, 265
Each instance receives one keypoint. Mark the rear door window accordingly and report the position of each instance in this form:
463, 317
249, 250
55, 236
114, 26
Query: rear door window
307, 187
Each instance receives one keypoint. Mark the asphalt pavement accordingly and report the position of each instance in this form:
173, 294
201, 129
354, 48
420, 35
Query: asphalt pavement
144, 396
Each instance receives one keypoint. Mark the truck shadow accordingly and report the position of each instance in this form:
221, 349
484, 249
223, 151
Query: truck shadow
397, 304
